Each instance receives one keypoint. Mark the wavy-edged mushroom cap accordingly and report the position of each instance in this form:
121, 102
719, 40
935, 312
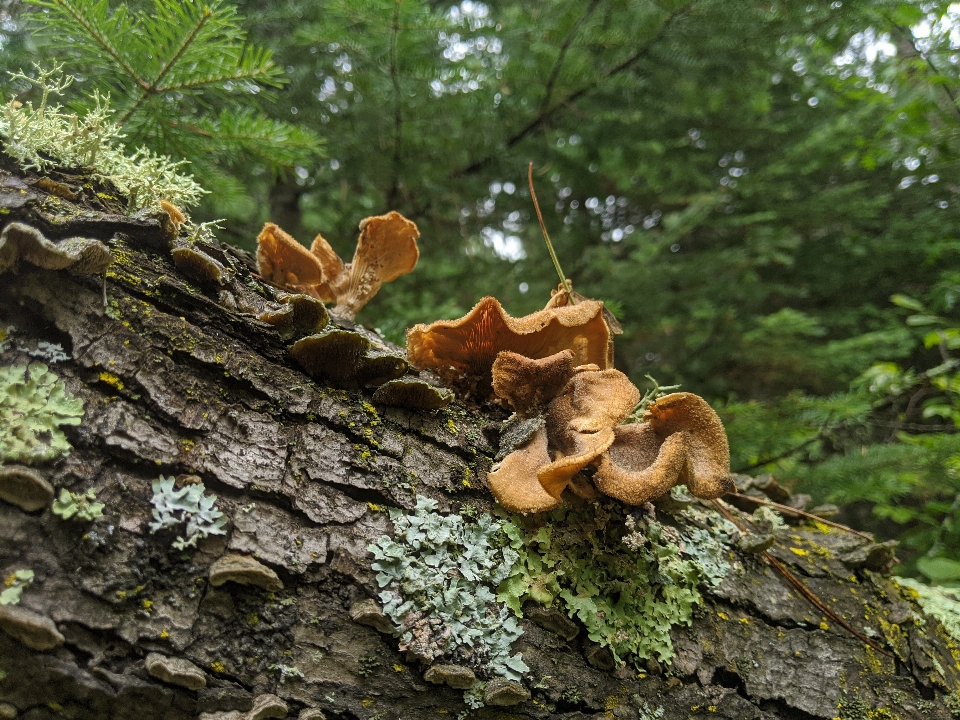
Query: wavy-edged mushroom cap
640, 466
528, 384
514, 483
590, 401
387, 249
285, 262
580, 450
708, 469
463, 351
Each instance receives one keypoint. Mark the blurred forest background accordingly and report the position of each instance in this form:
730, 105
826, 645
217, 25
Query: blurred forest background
766, 193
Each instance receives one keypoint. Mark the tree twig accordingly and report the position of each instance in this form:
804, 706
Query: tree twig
567, 43
803, 589
545, 113
801, 513
546, 236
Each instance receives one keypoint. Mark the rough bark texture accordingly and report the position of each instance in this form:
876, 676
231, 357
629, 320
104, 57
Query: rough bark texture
174, 383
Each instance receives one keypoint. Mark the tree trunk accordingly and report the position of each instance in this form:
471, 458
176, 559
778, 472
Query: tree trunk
177, 381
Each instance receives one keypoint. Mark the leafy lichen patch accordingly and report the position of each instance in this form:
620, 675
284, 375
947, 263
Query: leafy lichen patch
34, 404
627, 580
439, 575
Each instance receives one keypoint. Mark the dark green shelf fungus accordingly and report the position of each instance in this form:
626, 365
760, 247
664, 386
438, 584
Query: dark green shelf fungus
412, 393
347, 358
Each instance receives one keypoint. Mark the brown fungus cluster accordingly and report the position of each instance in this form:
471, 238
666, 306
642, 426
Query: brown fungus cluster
580, 408
387, 248
555, 369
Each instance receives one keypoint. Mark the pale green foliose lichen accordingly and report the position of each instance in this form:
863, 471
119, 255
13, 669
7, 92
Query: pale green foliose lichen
939, 602
628, 579
188, 505
34, 404
15, 584
439, 575
82, 506
34, 135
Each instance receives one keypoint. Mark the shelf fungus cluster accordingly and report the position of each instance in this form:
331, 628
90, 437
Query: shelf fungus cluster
386, 249
573, 415
555, 369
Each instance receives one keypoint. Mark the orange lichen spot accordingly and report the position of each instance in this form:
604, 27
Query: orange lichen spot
463, 351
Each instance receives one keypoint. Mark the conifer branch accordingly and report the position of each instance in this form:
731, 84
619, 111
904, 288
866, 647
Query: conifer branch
154, 86
104, 43
546, 113
255, 74
555, 71
397, 110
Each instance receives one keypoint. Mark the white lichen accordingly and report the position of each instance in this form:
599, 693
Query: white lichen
188, 505
939, 602
46, 136
440, 575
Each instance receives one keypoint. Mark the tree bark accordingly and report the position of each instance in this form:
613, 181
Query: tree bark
175, 383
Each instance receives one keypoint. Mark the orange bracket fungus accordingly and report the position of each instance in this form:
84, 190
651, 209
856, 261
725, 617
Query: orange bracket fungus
580, 406
387, 248
569, 418
462, 351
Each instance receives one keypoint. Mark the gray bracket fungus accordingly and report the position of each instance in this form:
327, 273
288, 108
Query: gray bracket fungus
245, 571
175, 671
368, 612
552, 620
311, 714
412, 393
34, 630
456, 676
81, 255
503, 692
22, 487
264, 707
201, 267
